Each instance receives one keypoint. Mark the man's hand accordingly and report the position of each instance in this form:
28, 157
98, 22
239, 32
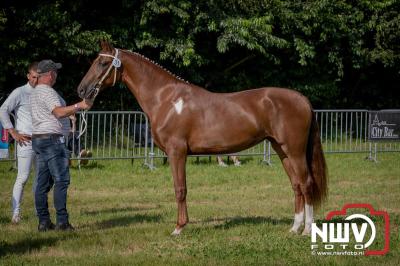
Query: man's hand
65, 111
85, 104
22, 139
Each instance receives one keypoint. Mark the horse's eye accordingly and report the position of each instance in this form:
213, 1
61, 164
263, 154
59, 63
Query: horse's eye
104, 64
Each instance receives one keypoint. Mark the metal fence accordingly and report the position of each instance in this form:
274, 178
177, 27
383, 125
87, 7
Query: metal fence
126, 135
346, 131
112, 135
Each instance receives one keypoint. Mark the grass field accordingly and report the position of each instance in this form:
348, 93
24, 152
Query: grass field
124, 213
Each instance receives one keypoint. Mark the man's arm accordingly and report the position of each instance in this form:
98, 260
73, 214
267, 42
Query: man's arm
20, 138
6, 108
65, 111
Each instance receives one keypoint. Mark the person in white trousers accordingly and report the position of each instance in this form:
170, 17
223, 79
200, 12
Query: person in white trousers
19, 103
234, 158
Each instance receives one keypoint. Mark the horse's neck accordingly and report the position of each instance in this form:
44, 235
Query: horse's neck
147, 82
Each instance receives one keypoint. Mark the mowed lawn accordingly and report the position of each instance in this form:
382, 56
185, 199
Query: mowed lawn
124, 213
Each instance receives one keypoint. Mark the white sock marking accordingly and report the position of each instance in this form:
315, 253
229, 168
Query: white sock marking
176, 232
309, 214
309, 218
298, 221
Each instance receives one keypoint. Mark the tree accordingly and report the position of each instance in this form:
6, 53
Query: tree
338, 53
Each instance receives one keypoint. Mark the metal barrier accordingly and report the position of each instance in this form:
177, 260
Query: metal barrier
343, 130
346, 131
126, 135
113, 135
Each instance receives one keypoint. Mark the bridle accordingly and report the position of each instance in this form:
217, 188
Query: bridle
116, 63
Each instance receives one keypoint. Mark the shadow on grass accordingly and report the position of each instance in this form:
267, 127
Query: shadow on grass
4, 220
116, 210
230, 222
27, 245
91, 165
127, 220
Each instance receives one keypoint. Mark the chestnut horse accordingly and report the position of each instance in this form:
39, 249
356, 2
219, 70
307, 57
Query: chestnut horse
187, 119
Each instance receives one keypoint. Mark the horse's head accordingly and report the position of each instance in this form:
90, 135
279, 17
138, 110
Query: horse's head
103, 73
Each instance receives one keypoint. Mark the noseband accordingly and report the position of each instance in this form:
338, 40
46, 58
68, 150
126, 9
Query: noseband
116, 63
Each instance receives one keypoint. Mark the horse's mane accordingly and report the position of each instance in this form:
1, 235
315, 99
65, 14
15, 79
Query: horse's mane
157, 65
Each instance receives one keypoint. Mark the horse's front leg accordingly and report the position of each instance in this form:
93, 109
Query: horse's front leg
177, 159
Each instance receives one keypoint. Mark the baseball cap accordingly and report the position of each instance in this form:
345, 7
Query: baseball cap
48, 65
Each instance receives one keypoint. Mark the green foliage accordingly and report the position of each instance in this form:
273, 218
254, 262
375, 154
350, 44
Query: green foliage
254, 34
338, 53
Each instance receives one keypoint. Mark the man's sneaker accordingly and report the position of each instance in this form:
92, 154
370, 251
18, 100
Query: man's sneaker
237, 163
64, 227
16, 218
222, 164
45, 226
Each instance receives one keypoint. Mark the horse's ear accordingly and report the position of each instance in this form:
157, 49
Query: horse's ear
106, 46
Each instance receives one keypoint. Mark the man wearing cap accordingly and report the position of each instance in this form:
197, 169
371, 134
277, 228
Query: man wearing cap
50, 126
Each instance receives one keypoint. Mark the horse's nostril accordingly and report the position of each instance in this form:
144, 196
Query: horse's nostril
81, 92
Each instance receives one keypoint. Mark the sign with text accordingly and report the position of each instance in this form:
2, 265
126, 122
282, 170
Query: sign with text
3, 143
384, 125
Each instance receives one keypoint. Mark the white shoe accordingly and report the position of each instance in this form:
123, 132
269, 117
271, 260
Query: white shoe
222, 164
237, 163
16, 218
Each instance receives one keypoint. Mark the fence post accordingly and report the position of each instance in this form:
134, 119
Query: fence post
372, 152
149, 156
266, 153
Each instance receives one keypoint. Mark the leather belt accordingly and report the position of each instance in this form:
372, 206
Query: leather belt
46, 136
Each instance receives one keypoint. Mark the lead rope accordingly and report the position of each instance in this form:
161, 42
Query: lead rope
82, 130
82, 124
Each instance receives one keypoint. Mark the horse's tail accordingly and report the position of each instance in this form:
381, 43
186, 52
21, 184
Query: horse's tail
316, 164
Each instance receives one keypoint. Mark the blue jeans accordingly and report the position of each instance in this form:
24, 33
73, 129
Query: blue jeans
52, 169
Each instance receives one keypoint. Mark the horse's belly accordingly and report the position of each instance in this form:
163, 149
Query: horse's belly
226, 140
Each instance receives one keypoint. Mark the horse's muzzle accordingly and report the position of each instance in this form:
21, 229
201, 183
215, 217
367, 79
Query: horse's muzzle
88, 93
81, 92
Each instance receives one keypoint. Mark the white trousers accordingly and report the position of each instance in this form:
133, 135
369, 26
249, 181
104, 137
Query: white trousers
25, 159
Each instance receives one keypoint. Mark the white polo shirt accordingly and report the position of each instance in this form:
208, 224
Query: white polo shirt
19, 102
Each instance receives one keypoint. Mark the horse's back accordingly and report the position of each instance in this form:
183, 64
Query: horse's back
228, 122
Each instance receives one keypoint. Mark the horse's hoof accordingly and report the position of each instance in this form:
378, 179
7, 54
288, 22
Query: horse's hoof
177, 231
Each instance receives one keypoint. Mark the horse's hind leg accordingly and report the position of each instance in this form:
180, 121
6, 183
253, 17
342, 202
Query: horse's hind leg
302, 186
297, 172
306, 189
298, 196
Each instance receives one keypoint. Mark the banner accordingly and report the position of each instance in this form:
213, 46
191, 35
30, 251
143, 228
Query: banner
3, 143
384, 125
